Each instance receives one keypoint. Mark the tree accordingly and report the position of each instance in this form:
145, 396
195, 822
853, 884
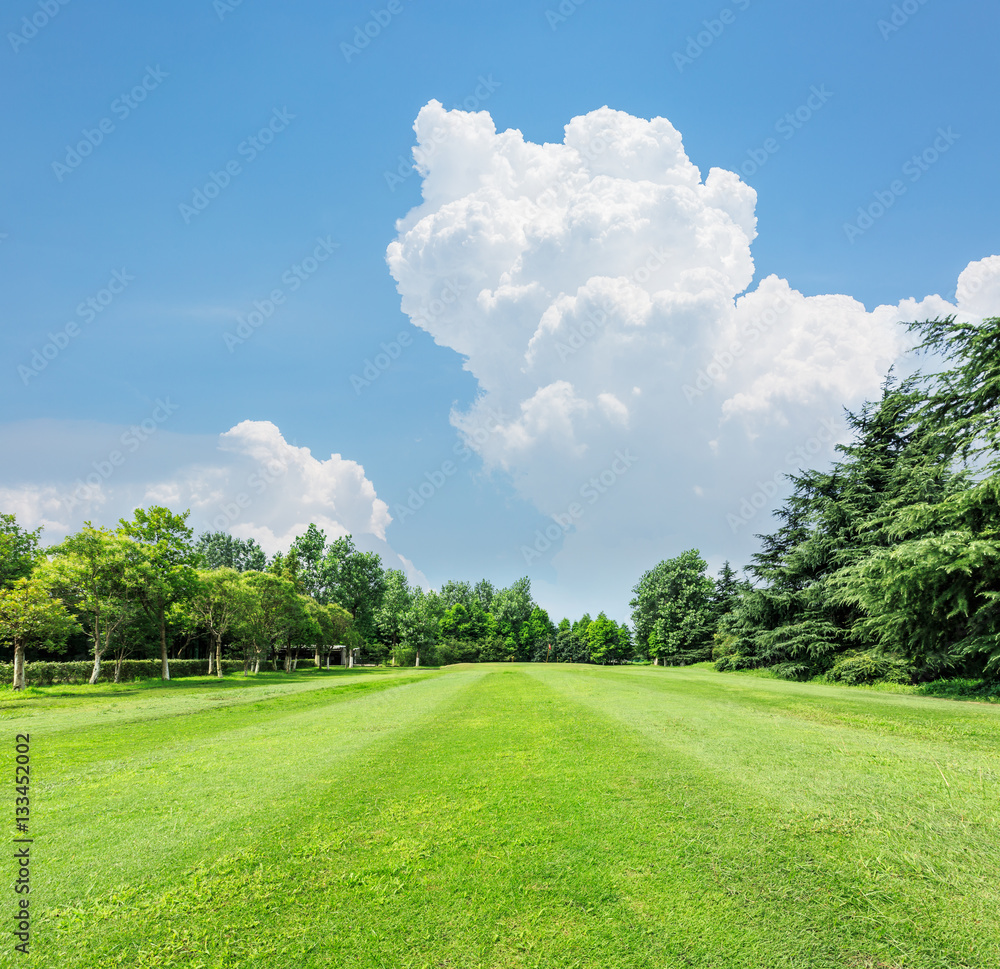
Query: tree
29, 615
220, 550
335, 625
512, 608
356, 581
92, 570
963, 402
672, 610
484, 593
390, 616
219, 603
166, 563
421, 624
18, 551
310, 549
537, 635
276, 618
934, 598
603, 641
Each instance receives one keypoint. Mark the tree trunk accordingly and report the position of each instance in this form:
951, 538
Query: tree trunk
211, 657
218, 657
97, 667
318, 658
19, 666
418, 659
164, 661
256, 665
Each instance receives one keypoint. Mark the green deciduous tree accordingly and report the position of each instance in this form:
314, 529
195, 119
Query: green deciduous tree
672, 610
164, 567
31, 616
18, 551
92, 572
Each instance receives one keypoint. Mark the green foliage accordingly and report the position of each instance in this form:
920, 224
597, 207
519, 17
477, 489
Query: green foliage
870, 666
18, 551
48, 673
673, 612
220, 550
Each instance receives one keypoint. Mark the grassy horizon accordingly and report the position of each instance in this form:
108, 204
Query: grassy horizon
507, 815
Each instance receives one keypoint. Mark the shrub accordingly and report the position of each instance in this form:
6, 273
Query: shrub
871, 666
47, 673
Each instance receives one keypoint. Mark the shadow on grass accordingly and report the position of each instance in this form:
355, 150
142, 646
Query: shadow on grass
9, 699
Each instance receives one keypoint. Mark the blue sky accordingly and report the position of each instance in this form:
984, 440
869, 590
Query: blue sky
816, 107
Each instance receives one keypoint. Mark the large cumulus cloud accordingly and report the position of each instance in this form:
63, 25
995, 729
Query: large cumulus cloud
597, 289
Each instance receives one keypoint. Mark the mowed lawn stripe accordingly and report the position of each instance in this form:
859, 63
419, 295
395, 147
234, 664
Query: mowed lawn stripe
147, 811
514, 824
905, 831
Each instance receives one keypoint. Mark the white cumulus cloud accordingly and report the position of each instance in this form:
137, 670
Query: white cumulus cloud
597, 289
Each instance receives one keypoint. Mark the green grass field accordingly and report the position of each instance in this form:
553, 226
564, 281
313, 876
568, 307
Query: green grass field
501, 816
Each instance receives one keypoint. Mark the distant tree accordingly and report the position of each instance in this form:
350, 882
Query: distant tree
30, 616
166, 564
356, 581
484, 593
454, 593
537, 635
390, 616
92, 572
421, 628
219, 602
310, 549
276, 618
220, 550
603, 640
672, 610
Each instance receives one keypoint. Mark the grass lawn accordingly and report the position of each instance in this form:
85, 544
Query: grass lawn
507, 815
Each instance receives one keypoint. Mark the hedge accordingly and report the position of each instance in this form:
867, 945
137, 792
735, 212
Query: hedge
45, 674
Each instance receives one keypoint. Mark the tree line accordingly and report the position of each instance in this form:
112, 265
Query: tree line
149, 588
885, 565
